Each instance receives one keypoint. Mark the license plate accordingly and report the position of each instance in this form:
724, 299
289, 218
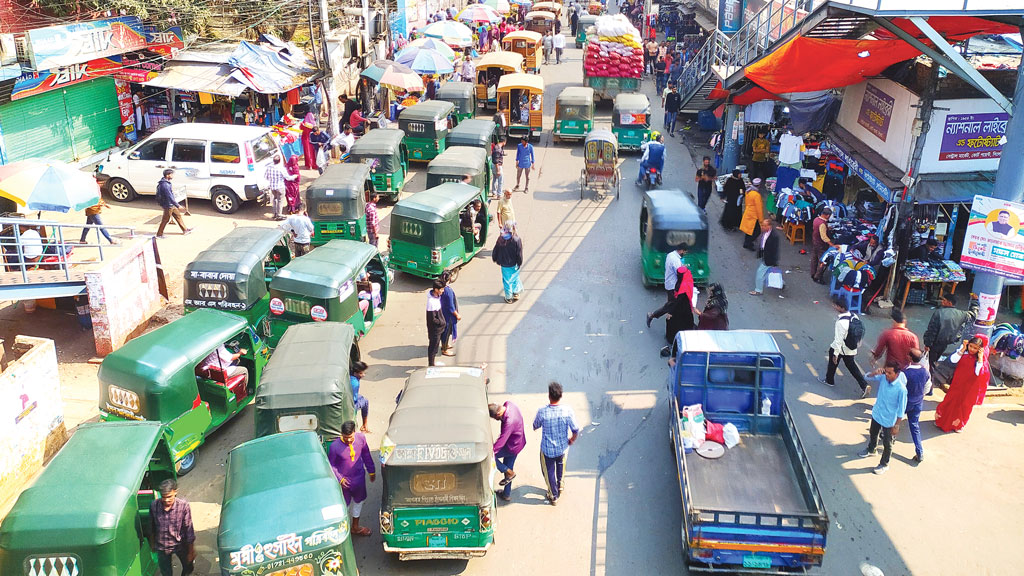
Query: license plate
438, 541
570, 124
412, 264
753, 561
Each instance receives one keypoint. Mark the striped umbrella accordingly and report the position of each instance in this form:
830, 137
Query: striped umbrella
502, 6
479, 13
434, 44
48, 185
393, 75
450, 32
425, 61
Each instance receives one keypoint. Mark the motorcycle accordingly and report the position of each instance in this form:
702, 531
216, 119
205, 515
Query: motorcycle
652, 179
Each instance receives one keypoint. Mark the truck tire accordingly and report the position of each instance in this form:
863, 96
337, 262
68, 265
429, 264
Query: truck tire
188, 463
121, 190
225, 200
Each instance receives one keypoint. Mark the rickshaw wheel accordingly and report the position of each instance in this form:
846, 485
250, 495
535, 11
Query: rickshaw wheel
187, 464
453, 274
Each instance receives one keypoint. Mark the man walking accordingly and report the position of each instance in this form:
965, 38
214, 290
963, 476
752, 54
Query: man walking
301, 228
889, 409
165, 198
917, 383
558, 431
548, 44
896, 342
558, 41
705, 179
508, 253
673, 262
820, 243
372, 219
498, 160
753, 213
276, 176
435, 322
350, 459
672, 108
848, 332
173, 533
509, 444
506, 212
524, 162
946, 327
767, 253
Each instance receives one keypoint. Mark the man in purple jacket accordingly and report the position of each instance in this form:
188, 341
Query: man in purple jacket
509, 443
350, 459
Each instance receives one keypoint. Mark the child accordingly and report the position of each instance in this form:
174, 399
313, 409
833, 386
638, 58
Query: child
356, 373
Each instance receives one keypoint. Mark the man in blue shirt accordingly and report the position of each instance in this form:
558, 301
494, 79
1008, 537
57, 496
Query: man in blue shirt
917, 384
654, 157
559, 431
889, 409
524, 162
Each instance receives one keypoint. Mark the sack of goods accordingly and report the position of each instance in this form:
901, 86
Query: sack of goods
616, 51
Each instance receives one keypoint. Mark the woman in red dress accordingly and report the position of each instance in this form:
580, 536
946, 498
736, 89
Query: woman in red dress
968, 386
291, 187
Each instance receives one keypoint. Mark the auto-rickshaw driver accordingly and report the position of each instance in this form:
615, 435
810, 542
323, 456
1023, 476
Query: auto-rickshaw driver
471, 222
654, 156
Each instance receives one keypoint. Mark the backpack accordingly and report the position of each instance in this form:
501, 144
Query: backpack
855, 333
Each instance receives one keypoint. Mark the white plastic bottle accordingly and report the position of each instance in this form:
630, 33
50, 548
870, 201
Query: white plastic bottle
766, 405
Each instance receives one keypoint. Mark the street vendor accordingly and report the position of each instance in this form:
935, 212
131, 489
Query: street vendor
926, 252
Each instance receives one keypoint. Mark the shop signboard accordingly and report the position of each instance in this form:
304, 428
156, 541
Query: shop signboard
58, 46
164, 42
994, 241
32, 84
859, 169
136, 68
876, 111
730, 15
973, 136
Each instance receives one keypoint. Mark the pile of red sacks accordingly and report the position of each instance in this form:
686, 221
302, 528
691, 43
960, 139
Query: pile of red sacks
610, 58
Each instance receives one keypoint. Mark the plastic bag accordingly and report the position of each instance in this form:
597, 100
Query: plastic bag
693, 422
775, 279
730, 435
321, 157
715, 432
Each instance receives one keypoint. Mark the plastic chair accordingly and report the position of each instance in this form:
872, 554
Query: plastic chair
834, 287
795, 232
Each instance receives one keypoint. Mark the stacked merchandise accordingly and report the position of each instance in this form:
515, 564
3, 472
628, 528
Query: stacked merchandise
1007, 339
848, 230
944, 271
616, 51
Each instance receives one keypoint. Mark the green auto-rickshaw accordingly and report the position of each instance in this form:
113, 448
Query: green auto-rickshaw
181, 375
341, 281
574, 113
669, 218
426, 128
336, 202
384, 149
88, 512
459, 161
631, 120
432, 231
479, 132
462, 95
438, 500
586, 21
283, 511
233, 273
305, 385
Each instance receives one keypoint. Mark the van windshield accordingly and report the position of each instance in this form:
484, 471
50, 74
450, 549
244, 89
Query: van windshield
263, 147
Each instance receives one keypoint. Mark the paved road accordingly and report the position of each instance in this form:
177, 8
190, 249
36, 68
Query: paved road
581, 323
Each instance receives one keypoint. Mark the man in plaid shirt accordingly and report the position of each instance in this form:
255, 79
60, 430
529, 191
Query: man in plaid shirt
559, 431
173, 533
276, 176
372, 220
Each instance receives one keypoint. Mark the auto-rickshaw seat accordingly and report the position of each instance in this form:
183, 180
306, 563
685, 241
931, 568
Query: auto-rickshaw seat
214, 379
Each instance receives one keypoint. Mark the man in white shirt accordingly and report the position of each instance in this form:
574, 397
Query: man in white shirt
839, 350
31, 244
225, 360
301, 228
346, 139
559, 45
673, 261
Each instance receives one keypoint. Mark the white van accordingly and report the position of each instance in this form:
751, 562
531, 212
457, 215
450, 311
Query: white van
224, 163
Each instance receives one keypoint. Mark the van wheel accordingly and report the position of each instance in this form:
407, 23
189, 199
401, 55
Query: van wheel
121, 190
186, 464
225, 200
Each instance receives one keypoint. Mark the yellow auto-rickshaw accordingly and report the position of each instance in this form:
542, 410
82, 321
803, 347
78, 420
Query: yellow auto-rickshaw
526, 43
539, 21
521, 100
489, 71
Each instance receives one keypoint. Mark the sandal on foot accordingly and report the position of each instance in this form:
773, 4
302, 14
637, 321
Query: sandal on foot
507, 479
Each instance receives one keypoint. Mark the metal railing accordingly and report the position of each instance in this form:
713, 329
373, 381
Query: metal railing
56, 249
730, 53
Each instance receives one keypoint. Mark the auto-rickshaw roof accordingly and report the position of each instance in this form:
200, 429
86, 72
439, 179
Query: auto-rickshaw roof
346, 180
379, 141
441, 406
540, 14
503, 59
322, 272
603, 136
754, 341
674, 210
521, 35
458, 161
547, 6
576, 96
151, 360
429, 111
458, 90
310, 367
632, 102
520, 80
436, 204
80, 496
473, 132
278, 484
238, 252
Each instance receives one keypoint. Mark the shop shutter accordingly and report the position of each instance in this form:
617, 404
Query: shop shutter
37, 127
94, 114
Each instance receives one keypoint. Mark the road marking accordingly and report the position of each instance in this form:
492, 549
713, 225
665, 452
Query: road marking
811, 369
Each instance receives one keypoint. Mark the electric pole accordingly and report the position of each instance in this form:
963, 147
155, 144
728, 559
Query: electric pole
329, 84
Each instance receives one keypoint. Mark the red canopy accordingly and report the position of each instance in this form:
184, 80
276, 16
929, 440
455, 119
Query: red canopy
754, 94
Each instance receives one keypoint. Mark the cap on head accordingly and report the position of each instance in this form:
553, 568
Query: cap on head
756, 181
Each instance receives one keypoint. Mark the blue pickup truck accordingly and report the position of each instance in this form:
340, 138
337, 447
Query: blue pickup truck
756, 509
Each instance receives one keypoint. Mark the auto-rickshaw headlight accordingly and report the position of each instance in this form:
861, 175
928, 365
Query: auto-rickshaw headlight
385, 523
485, 518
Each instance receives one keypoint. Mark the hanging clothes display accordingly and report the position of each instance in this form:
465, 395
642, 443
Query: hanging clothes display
790, 147
835, 179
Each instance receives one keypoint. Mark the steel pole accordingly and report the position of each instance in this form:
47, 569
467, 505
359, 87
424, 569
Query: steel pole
731, 146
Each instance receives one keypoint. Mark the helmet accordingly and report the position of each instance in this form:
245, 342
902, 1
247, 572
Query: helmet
654, 135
